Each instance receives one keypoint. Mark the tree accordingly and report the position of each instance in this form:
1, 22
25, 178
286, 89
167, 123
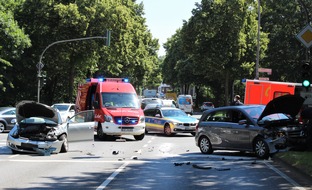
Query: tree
132, 52
219, 40
13, 41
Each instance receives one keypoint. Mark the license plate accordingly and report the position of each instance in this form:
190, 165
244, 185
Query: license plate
126, 129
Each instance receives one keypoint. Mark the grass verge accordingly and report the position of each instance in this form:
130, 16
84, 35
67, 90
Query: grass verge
301, 160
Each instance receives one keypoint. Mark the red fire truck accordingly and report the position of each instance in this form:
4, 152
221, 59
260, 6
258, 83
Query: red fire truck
116, 106
261, 92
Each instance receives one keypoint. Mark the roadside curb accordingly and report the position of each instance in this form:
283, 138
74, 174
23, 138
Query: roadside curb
294, 172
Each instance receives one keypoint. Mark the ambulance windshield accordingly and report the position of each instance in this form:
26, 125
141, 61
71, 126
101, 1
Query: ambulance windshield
120, 100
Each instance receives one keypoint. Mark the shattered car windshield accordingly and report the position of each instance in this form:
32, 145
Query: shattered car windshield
37, 120
120, 100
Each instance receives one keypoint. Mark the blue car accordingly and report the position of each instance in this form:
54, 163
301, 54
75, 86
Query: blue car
169, 121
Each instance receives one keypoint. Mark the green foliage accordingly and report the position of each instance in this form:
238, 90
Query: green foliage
132, 52
218, 43
13, 41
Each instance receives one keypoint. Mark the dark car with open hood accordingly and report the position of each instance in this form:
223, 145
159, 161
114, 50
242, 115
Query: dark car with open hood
39, 129
256, 128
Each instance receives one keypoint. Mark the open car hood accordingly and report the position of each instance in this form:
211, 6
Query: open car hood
27, 109
288, 104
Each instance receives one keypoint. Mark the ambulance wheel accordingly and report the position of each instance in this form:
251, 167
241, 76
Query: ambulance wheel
100, 134
139, 137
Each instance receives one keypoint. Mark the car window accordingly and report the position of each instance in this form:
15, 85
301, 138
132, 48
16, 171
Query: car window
236, 116
60, 107
173, 113
150, 112
158, 113
87, 116
218, 116
72, 107
11, 112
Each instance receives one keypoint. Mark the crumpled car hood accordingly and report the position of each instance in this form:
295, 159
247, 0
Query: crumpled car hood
27, 109
288, 104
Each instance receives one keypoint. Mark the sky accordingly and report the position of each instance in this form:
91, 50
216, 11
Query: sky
164, 17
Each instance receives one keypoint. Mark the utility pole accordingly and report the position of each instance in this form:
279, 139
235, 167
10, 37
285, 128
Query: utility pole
40, 65
258, 42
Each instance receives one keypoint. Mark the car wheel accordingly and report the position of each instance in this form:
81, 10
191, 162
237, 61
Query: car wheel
2, 127
65, 146
167, 130
261, 149
205, 145
139, 137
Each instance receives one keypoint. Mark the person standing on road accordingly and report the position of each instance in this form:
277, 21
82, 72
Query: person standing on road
236, 101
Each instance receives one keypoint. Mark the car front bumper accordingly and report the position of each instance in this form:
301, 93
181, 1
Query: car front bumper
30, 146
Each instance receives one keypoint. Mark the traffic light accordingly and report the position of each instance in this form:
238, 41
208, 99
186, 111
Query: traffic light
43, 78
306, 75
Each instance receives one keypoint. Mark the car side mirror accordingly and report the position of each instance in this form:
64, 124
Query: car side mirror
96, 105
13, 121
242, 122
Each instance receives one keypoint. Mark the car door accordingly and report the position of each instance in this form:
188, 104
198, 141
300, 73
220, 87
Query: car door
149, 119
80, 127
217, 128
240, 135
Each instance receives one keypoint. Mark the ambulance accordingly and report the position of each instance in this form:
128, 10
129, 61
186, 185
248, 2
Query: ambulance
262, 92
116, 107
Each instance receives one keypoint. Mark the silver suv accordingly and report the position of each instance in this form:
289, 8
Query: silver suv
256, 128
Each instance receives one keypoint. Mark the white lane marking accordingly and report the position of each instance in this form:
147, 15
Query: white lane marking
111, 177
291, 181
145, 145
13, 156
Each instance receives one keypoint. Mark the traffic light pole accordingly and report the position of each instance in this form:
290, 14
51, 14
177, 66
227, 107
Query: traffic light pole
40, 65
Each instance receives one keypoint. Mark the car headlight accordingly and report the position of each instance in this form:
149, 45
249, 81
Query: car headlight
108, 118
142, 119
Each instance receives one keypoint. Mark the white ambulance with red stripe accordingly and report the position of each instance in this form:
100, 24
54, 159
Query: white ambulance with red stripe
116, 106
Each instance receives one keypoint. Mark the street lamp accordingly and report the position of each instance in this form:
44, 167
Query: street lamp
40, 65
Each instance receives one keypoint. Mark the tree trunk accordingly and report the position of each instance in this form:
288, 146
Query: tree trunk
227, 74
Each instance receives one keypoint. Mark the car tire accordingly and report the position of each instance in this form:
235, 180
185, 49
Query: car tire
101, 135
2, 127
205, 145
167, 130
65, 146
139, 137
15, 151
261, 148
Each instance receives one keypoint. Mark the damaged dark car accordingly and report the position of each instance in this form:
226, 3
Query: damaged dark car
261, 129
39, 129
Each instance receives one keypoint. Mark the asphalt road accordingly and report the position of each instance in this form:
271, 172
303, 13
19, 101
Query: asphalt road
156, 162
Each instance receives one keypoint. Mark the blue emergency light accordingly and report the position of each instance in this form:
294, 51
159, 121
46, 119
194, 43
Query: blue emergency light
125, 80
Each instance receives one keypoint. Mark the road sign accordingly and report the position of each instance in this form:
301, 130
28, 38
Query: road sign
40, 66
265, 70
305, 36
